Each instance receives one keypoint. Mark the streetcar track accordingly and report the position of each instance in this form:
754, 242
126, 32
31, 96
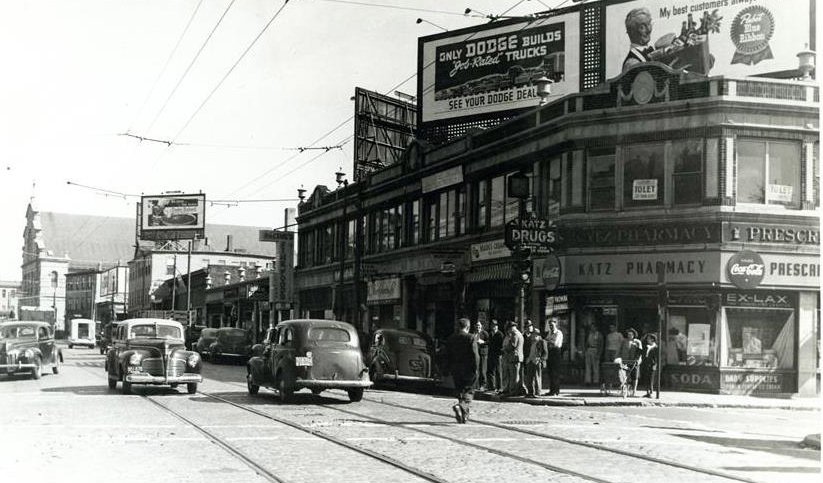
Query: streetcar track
697, 469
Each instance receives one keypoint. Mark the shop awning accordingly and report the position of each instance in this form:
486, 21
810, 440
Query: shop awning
494, 271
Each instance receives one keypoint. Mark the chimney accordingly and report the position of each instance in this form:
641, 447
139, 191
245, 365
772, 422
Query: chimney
229, 243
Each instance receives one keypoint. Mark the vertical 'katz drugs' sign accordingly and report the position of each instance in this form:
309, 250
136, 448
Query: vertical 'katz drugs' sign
487, 69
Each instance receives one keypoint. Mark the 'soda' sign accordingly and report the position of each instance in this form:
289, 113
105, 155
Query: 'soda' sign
534, 233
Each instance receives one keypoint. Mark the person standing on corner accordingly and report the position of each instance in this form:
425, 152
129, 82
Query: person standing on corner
482, 338
648, 365
535, 361
493, 381
614, 341
554, 341
512, 359
464, 360
594, 349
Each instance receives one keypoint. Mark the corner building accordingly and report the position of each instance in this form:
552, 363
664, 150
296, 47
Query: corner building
681, 202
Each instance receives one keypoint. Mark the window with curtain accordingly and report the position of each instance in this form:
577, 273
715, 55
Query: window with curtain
601, 180
768, 172
760, 338
643, 175
688, 171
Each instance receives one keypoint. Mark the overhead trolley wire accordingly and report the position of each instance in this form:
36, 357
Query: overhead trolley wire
231, 69
166, 65
396, 7
188, 68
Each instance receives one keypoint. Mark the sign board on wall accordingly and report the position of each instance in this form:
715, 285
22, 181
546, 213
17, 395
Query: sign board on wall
623, 269
742, 38
172, 217
387, 289
493, 67
489, 250
787, 270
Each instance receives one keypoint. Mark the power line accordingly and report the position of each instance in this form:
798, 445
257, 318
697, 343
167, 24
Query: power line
188, 68
396, 7
248, 48
166, 65
229, 146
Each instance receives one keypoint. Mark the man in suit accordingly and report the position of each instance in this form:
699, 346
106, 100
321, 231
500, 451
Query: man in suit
554, 342
594, 348
464, 360
495, 350
512, 359
639, 29
535, 361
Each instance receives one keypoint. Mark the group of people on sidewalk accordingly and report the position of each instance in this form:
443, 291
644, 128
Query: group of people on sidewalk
637, 358
508, 364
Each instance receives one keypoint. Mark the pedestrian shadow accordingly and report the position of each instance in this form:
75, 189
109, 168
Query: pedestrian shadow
775, 469
97, 390
780, 447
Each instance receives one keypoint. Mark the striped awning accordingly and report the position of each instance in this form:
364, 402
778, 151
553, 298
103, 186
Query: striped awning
493, 271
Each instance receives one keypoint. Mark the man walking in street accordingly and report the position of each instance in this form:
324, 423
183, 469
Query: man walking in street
483, 348
464, 360
512, 359
495, 345
554, 341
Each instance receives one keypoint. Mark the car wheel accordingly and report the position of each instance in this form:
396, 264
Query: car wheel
355, 394
250, 385
191, 387
316, 391
285, 390
126, 385
37, 371
71, 346
174, 385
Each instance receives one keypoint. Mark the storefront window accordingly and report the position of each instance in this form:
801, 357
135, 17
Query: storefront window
690, 337
768, 173
688, 171
760, 338
601, 181
643, 175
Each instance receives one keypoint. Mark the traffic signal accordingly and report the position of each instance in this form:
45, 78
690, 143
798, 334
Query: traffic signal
522, 265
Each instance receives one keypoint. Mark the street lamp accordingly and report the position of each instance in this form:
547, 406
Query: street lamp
301, 193
806, 62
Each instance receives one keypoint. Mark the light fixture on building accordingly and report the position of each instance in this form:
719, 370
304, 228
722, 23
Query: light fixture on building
208, 281
544, 88
806, 62
301, 193
340, 177
421, 20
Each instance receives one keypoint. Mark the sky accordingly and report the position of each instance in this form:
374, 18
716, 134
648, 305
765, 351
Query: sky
79, 74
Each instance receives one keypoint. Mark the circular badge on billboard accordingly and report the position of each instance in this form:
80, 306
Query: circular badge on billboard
551, 272
746, 269
751, 30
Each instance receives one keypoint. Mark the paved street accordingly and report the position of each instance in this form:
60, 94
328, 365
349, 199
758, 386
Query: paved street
71, 427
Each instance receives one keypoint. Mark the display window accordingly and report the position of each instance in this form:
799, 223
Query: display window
691, 337
760, 338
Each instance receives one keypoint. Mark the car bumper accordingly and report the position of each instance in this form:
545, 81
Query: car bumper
7, 368
137, 378
331, 384
400, 377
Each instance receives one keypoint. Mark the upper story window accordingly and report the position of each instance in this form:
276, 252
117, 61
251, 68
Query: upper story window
497, 201
688, 171
768, 172
601, 179
552, 187
482, 204
415, 222
643, 175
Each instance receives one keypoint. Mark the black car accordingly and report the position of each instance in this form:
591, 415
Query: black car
402, 355
28, 347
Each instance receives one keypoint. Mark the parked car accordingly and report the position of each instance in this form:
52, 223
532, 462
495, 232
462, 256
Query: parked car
151, 351
401, 355
81, 332
28, 347
313, 354
193, 335
207, 338
230, 342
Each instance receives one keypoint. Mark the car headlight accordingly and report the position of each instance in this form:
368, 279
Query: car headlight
29, 354
135, 359
193, 359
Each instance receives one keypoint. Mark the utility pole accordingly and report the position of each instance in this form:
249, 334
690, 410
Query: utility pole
662, 301
188, 286
174, 283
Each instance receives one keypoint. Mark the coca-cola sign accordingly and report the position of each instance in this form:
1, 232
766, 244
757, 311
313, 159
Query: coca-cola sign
746, 269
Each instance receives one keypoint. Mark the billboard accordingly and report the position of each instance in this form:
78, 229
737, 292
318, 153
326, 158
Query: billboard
383, 128
172, 216
733, 38
493, 68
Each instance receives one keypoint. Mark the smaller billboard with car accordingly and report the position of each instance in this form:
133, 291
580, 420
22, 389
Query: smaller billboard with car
172, 216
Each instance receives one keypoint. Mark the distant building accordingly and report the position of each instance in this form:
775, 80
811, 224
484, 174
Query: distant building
9, 291
112, 298
82, 294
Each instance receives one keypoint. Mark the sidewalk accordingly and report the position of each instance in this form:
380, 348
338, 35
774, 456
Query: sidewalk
591, 396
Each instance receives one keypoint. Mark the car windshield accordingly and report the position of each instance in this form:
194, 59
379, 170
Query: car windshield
233, 335
155, 331
208, 334
18, 332
329, 334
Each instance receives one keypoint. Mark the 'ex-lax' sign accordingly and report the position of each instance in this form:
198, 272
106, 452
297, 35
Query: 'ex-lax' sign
537, 234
